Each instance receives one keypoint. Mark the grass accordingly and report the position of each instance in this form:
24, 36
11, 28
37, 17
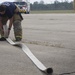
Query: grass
51, 11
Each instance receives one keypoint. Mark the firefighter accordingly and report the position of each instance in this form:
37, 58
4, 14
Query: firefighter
9, 11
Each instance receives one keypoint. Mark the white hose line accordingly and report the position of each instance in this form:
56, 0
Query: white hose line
5, 31
31, 56
28, 53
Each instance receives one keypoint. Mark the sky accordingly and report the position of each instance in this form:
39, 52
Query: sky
45, 1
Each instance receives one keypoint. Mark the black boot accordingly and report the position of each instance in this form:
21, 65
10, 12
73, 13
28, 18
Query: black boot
2, 39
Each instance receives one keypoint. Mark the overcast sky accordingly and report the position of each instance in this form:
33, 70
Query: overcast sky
31, 1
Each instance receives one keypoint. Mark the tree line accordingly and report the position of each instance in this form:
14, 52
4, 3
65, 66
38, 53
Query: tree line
53, 6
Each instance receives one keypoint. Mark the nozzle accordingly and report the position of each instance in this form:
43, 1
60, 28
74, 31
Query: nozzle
49, 70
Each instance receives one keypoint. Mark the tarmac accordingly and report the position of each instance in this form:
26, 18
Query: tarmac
50, 37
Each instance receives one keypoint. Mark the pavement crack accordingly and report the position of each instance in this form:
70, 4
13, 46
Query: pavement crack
67, 73
59, 45
49, 44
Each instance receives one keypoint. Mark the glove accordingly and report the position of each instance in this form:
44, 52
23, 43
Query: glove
2, 32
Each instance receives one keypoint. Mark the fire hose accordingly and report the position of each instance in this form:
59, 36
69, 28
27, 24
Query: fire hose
27, 51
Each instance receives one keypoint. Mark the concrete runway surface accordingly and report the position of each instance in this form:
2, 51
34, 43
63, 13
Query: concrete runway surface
50, 37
